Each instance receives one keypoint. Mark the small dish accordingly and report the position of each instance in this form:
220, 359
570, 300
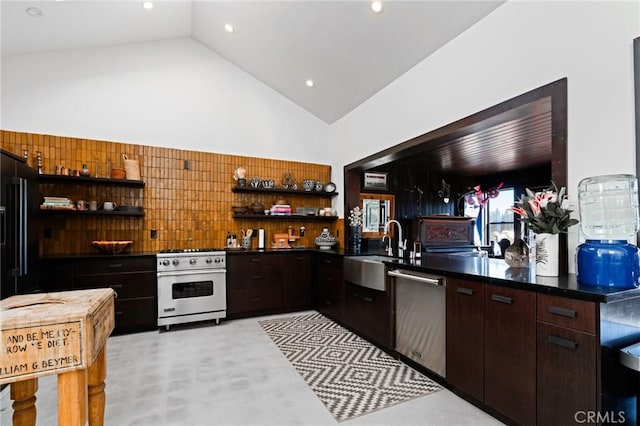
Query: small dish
330, 187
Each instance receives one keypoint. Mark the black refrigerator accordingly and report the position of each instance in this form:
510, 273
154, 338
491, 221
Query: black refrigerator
19, 200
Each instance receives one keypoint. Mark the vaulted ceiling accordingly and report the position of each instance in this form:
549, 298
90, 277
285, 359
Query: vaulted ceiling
348, 51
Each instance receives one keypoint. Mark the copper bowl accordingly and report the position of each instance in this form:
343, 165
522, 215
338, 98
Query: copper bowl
118, 173
112, 247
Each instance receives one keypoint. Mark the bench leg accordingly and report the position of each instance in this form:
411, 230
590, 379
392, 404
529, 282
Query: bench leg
23, 395
96, 375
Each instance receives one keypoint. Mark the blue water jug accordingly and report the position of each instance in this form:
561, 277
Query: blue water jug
608, 263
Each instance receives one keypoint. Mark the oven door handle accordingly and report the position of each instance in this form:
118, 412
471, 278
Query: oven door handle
183, 273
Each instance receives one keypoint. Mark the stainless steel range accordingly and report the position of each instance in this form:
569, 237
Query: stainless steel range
192, 286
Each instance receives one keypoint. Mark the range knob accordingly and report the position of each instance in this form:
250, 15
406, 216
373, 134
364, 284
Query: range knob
209, 260
165, 262
218, 260
192, 261
175, 262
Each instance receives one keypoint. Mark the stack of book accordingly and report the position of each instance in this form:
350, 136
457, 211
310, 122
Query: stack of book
281, 210
61, 203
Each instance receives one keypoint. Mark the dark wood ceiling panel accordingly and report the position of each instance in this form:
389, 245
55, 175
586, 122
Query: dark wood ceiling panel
515, 144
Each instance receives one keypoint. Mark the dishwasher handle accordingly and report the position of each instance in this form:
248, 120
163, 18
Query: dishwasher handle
398, 273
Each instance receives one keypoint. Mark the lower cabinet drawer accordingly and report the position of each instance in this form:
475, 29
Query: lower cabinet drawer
136, 314
254, 299
126, 285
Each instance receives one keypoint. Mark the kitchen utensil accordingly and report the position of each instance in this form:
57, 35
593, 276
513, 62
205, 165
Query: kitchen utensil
249, 233
112, 247
109, 206
246, 242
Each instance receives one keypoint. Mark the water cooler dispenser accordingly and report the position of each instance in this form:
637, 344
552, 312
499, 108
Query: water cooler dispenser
608, 220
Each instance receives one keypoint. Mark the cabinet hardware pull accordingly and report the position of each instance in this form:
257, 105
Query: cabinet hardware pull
569, 344
463, 290
118, 312
416, 353
116, 285
256, 277
115, 265
328, 261
368, 299
570, 313
501, 299
256, 299
256, 259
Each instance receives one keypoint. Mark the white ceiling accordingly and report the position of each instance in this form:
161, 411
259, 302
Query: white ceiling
350, 52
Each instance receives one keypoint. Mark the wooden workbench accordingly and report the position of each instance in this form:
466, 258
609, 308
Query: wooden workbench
61, 333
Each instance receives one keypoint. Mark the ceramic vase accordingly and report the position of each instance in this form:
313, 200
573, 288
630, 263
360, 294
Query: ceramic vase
355, 238
547, 254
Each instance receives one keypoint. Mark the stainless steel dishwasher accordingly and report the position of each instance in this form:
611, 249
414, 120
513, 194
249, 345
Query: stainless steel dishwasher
420, 318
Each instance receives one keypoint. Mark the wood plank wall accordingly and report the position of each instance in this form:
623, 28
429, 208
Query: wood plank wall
188, 208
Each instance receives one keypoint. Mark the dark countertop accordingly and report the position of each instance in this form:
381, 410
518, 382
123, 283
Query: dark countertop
96, 255
496, 271
338, 252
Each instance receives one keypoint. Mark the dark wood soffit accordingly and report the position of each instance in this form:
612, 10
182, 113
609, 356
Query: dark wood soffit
512, 135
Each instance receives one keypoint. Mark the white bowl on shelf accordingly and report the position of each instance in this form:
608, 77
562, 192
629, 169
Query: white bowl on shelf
325, 245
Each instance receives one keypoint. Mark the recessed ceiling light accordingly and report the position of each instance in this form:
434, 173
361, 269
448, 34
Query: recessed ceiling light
376, 6
147, 5
33, 11
228, 27
310, 83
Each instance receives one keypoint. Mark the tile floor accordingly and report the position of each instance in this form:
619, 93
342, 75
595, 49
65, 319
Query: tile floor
227, 374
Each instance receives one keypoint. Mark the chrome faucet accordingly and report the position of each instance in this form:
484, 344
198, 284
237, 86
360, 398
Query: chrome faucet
402, 244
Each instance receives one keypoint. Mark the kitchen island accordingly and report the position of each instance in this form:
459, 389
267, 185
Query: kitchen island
532, 349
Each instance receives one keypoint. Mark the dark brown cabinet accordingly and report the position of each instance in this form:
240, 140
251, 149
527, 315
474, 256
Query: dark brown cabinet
255, 282
566, 359
369, 312
268, 282
510, 352
299, 288
329, 284
465, 336
133, 278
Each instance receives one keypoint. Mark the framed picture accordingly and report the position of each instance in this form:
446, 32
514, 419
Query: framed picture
375, 180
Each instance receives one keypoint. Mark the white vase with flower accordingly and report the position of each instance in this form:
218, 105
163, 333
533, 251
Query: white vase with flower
547, 214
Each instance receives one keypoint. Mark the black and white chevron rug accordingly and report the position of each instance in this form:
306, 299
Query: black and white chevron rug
351, 376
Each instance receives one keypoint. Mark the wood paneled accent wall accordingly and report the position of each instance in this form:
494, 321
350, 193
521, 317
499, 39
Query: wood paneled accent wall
188, 208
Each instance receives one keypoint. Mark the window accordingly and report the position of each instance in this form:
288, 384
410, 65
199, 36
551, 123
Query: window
495, 221
501, 220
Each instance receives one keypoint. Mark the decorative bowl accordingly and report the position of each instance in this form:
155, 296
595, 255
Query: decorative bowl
239, 209
326, 245
112, 247
257, 208
330, 187
308, 184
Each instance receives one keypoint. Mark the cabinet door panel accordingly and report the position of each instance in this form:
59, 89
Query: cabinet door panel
510, 352
127, 285
300, 281
115, 265
565, 312
465, 336
330, 285
567, 369
135, 314
254, 299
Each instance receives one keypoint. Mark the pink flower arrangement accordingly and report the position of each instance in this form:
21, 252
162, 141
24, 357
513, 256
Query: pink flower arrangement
545, 212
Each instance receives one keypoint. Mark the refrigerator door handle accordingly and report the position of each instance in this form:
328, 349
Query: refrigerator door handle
21, 227
3, 225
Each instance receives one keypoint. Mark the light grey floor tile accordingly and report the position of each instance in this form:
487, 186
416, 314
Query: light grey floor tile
227, 374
